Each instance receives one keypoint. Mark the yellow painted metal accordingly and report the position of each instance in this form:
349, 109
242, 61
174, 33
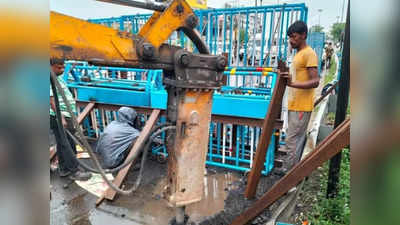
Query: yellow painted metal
169, 21
198, 4
268, 69
72, 38
149, 23
24, 33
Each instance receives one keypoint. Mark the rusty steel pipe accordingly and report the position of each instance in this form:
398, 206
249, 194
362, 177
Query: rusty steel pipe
136, 4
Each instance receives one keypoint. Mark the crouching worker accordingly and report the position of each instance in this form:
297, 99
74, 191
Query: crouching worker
118, 138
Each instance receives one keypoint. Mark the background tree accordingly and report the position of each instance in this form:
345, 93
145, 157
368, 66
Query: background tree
317, 28
227, 6
243, 35
337, 31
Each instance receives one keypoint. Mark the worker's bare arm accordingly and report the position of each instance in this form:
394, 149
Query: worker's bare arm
313, 82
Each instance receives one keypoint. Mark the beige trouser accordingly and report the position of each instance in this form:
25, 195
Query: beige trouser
295, 136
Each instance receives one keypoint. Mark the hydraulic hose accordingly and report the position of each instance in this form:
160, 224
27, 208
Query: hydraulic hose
83, 142
60, 126
54, 85
127, 162
144, 156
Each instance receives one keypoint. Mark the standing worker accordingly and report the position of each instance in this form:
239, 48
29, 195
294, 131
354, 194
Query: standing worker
67, 165
302, 80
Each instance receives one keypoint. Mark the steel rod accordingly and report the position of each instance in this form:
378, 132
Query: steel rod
136, 4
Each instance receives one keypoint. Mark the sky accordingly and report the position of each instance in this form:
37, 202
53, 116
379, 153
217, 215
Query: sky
91, 9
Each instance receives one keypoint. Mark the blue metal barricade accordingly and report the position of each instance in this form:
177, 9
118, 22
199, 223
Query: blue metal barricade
231, 146
251, 36
317, 41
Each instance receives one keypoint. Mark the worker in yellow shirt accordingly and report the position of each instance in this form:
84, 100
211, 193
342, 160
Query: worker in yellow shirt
302, 80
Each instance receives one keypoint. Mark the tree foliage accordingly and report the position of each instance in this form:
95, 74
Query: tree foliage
317, 28
227, 6
337, 31
243, 34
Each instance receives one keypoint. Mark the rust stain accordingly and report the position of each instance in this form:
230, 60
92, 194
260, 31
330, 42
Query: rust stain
188, 155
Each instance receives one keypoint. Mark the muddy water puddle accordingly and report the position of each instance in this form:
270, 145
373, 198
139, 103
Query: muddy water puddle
147, 205
216, 190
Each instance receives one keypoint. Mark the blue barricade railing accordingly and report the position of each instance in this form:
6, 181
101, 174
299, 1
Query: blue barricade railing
250, 36
231, 146
317, 41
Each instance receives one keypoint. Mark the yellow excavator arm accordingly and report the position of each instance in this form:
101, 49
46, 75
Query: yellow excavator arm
72, 38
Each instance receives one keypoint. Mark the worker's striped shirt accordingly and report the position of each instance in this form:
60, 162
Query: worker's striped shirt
68, 95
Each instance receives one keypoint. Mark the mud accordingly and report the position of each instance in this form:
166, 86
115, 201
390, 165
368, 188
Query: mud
236, 203
223, 200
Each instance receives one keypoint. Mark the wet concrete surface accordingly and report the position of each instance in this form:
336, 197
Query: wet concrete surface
75, 206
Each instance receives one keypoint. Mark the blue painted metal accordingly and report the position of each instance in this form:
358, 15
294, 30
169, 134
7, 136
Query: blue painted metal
240, 68
246, 37
316, 40
270, 35
286, 37
210, 23
241, 159
230, 41
147, 90
263, 37
281, 19
248, 73
225, 17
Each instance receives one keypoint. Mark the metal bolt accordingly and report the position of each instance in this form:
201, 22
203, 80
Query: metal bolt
148, 50
184, 59
192, 21
221, 63
179, 9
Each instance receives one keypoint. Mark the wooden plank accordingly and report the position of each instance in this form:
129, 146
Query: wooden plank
53, 152
88, 108
100, 200
334, 143
267, 129
110, 193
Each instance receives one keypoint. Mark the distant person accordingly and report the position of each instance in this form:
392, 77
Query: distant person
67, 165
118, 137
328, 54
303, 79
